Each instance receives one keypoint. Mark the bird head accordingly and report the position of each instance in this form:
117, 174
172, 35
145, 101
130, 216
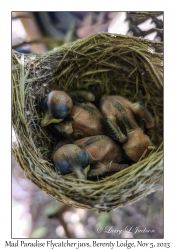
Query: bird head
56, 106
72, 159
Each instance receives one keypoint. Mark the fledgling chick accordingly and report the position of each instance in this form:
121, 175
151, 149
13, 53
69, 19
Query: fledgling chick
86, 121
56, 106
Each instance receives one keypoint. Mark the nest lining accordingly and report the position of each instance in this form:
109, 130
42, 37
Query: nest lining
103, 64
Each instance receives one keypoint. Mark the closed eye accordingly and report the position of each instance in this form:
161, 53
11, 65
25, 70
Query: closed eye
60, 111
83, 158
63, 166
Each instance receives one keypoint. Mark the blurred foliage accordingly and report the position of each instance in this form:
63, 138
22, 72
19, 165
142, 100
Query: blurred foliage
102, 219
39, 232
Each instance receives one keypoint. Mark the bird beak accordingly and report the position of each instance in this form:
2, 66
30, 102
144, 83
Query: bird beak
86, 170
81, 174
47, 120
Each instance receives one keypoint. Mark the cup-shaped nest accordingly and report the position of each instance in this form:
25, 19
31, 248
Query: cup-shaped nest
103, 64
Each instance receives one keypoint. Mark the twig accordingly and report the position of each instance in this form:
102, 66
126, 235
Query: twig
62, 208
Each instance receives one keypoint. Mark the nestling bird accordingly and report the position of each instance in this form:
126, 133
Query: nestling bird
125, 122
88, 157
105, 154
86, 121
56, 106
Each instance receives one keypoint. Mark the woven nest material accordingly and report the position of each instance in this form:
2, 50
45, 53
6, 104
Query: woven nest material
104, 64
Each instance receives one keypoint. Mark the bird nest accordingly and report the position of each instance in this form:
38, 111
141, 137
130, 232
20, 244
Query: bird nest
103, 64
